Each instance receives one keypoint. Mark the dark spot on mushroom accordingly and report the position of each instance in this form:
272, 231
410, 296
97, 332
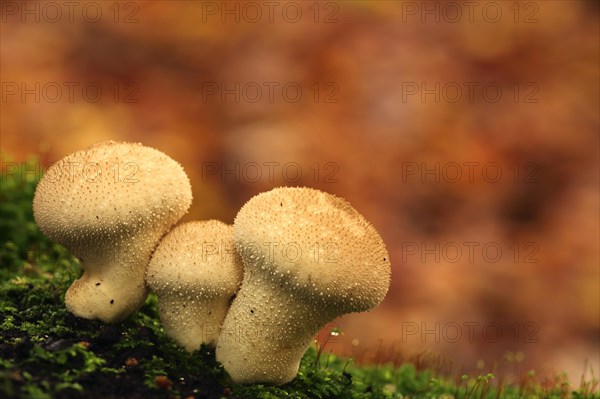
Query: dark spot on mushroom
97, 284
112, 301
252, 311
184, 306
209, 312
97, 217
281, 204
232, 298
384, 259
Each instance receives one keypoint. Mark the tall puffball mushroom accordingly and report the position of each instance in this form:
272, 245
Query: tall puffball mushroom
110, 205
308, 257
195, 272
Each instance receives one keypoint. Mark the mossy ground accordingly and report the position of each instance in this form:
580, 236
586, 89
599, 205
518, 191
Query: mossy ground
45, 352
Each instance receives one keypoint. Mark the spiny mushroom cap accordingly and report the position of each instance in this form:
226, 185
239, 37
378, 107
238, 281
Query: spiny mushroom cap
315, 245
197, 259
110, 190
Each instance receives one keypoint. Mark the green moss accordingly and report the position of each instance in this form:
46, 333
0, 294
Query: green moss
45, 352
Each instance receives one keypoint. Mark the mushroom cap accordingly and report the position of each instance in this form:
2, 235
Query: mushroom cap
196, 259
314, 245
110, 190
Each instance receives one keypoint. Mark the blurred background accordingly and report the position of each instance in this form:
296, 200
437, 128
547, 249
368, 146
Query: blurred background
466, 132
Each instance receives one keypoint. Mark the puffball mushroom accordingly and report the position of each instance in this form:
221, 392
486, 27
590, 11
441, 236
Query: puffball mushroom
195, 272
109, 205
308, 257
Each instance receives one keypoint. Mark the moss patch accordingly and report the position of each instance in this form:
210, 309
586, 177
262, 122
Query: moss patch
45, 352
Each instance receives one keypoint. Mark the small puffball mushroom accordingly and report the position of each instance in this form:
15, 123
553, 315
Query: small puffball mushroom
110, 205
195, 272
308, 257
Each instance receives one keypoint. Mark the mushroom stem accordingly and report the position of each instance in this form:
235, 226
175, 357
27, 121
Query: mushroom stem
266, 332
110, 289
202, 323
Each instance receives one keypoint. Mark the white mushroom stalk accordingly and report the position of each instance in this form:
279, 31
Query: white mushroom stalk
308, 257
195, 272
110, 205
